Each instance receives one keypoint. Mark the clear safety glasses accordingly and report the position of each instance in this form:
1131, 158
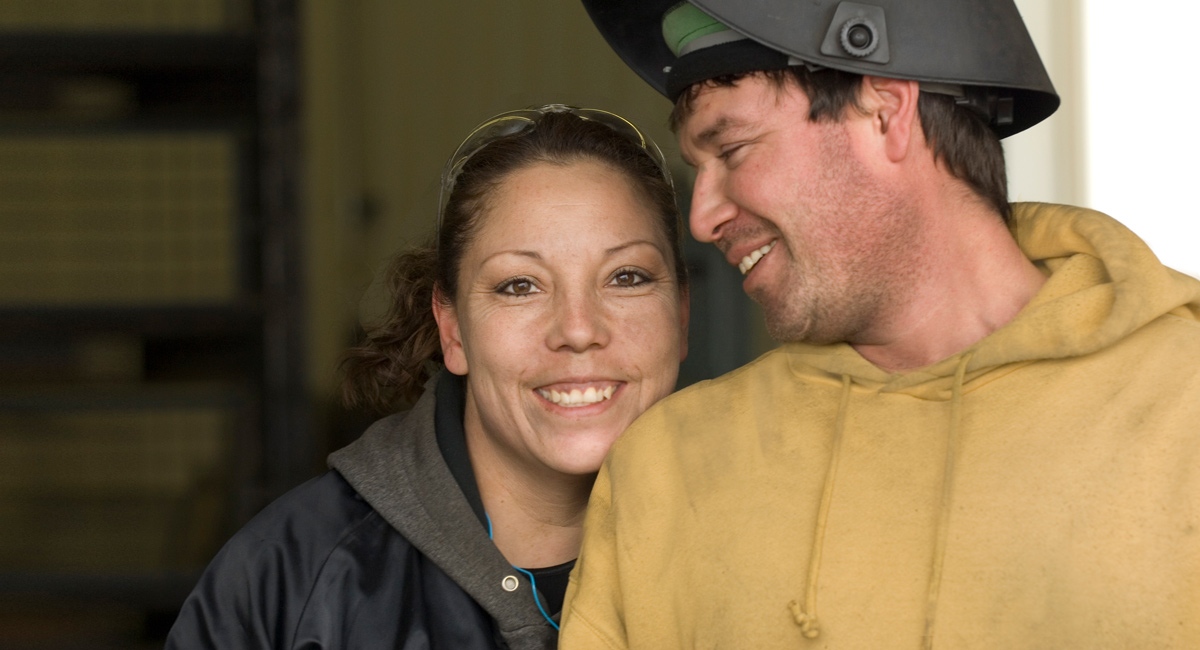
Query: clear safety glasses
520, 121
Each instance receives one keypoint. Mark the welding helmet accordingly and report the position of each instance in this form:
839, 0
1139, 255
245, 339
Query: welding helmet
975, 50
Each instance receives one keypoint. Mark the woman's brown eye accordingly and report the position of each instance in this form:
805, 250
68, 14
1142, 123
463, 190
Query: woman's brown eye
628, 279
518, 287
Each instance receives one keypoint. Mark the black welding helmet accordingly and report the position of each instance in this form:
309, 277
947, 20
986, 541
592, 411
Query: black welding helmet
976, 50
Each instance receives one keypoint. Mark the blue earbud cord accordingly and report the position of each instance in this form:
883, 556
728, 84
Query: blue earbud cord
532, 581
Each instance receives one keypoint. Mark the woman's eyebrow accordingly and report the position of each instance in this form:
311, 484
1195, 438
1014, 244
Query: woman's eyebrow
516, 251
616, 249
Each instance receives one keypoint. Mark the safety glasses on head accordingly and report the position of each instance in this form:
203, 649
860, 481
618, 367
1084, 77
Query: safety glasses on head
513, 123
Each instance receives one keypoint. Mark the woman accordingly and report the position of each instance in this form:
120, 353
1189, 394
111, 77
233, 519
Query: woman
555, 298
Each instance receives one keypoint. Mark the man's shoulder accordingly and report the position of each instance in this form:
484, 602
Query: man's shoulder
1167, 348
710, 394
711, 405
1182, 325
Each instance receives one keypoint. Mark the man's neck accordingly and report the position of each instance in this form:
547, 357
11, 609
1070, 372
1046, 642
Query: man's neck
973, 280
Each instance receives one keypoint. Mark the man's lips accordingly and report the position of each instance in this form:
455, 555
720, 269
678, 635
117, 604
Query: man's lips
749, 260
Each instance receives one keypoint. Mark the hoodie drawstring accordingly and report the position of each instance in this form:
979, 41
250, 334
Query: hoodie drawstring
806, 617
943, 524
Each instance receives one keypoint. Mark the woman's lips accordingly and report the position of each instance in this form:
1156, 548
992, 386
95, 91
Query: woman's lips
577, 395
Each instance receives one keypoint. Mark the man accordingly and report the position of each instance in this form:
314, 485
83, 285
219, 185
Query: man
983, 427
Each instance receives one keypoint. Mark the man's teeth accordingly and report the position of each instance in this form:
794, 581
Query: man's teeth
576, 397
750, 260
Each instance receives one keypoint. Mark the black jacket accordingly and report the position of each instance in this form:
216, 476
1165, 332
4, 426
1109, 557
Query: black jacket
383, 552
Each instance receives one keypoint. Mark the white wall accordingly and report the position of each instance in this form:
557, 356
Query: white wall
1124, 141
1048, 162
1143, 127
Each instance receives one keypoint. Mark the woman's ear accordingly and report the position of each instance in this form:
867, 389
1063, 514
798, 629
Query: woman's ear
892, 104
449, 333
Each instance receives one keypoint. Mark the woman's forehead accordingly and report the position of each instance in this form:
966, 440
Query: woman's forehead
582, 203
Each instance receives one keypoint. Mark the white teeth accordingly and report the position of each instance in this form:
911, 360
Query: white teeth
750, 260
576, 397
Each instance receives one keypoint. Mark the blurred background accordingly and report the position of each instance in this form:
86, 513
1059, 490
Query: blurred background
196, 196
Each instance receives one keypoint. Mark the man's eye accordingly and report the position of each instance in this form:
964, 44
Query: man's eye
726, 154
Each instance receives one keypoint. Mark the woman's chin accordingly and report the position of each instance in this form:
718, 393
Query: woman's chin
582, 454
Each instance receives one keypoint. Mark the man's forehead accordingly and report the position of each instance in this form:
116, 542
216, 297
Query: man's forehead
718, 110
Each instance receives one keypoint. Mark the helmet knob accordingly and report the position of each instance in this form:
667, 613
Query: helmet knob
859, 37
858, 32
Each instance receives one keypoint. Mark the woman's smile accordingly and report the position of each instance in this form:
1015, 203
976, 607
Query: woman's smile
575, 395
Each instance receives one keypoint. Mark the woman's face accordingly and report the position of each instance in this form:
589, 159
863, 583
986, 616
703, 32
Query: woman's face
568, 321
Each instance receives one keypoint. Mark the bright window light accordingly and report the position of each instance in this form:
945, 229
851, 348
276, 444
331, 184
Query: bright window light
1143, 122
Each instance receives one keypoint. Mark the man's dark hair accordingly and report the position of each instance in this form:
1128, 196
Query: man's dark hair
958, 137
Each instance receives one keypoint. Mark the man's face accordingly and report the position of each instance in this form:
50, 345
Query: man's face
807, 211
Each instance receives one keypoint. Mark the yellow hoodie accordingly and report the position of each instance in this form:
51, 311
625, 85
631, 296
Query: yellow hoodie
1040, 489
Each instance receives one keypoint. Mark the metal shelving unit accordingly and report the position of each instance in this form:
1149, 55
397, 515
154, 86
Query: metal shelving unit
152, 392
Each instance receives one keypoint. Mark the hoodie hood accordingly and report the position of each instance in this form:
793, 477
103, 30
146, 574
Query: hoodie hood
398, 468
1103, 284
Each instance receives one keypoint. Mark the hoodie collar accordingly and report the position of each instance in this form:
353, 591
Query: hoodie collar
1103, 284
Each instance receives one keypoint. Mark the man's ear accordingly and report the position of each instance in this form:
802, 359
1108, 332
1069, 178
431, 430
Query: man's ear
892, 105
449, 333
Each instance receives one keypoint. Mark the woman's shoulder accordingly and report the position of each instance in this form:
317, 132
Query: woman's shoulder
261, 581
294, 537
317, 512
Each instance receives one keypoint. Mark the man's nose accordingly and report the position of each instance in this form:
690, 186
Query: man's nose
711, 208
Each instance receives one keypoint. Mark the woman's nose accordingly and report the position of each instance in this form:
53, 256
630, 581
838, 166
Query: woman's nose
711, 208
579, 323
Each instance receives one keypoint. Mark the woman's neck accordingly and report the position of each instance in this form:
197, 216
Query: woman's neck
536, 513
